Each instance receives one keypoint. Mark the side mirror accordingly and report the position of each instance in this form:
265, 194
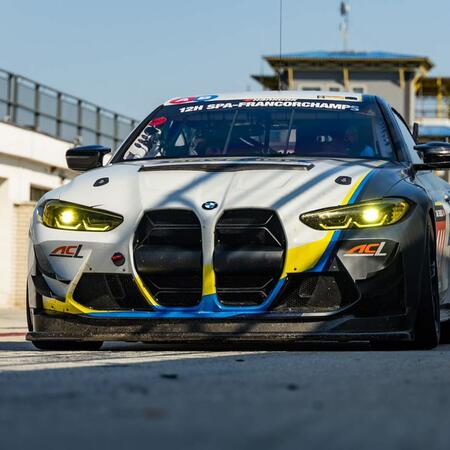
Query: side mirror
435, 155
86, 158
415, 132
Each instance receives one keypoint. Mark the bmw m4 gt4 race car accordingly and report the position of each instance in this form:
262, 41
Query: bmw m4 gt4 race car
276, 216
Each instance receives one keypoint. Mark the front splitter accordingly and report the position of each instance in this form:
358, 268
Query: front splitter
250, 329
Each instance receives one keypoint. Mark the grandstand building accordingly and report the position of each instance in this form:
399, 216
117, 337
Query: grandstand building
402, 79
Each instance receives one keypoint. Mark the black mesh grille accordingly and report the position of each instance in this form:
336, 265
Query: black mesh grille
316, 293
248, 256
109, 291
168, 256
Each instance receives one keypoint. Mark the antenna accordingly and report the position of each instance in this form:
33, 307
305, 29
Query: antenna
343, 26
281, 41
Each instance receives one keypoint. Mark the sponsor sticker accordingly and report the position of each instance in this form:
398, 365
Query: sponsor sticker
372, 249
258, 103
201, 98
441, 234
67, 251
158, 121
439, 213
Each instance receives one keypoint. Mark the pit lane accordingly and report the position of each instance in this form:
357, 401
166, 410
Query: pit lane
130, 395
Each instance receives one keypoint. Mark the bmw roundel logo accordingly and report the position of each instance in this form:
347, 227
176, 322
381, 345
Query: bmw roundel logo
209, 205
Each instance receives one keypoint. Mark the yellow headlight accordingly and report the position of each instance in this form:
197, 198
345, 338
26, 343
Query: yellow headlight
69, 216
375, 213
371, 215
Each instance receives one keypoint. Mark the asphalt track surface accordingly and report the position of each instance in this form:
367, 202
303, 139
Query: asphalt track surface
129, 395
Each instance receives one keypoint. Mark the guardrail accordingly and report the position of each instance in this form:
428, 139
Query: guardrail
34, 106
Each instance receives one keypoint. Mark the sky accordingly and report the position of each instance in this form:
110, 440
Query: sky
130, 56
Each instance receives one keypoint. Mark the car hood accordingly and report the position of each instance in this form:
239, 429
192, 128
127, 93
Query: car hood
291, 186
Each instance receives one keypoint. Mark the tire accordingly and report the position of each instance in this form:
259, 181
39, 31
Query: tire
67, 345
28, 312
445, 332
428, 324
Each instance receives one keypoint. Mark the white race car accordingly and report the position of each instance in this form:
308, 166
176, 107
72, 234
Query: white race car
271, 216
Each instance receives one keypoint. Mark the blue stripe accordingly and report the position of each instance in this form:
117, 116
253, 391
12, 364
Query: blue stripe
209, 307
168, 314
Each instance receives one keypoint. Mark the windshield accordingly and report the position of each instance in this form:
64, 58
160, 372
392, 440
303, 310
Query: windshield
254, 127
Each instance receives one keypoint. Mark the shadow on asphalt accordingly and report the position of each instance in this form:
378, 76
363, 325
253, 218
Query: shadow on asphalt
18, 346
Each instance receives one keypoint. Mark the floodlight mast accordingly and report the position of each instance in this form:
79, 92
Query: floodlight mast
343, 27
280, 43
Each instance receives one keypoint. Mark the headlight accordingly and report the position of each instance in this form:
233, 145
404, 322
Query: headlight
376, 213
69, 216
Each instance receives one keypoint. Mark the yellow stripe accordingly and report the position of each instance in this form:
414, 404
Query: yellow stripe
70, 306
144, 291
50, 304
354, 188
306, 256
209, 280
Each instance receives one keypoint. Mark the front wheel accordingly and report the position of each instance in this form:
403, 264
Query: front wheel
428, 324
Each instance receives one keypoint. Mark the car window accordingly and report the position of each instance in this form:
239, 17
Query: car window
407, 138
254, 127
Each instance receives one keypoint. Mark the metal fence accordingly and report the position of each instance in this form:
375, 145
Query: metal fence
32, 105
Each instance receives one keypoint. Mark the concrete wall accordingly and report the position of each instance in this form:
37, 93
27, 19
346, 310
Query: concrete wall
6, 241
384, 84
323, 79
27, 159
19, 268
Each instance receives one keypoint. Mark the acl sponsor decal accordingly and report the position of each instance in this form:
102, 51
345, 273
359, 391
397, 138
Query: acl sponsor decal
364, 258
372, 249
201, 98
67, 251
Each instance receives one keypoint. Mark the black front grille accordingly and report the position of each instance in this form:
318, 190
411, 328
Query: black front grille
248, 256
317, 293
168, 256
109, 291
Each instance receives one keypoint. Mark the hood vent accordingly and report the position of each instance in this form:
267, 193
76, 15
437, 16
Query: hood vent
228, 165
